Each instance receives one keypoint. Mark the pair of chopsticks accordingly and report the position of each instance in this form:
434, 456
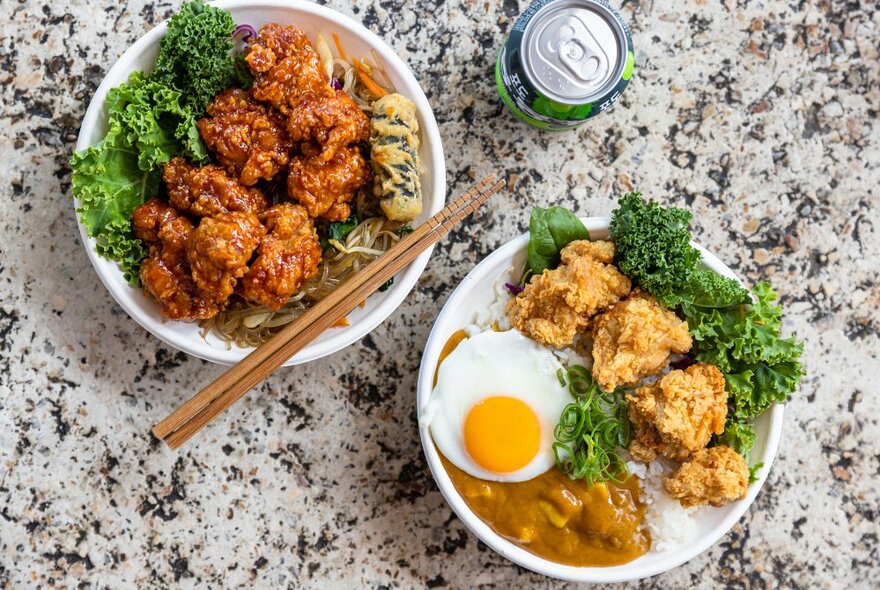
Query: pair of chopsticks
232, 385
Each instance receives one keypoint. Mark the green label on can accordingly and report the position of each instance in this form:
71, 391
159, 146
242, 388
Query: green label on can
528, 103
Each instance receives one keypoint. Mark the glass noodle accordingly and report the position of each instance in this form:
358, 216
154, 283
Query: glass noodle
249, 325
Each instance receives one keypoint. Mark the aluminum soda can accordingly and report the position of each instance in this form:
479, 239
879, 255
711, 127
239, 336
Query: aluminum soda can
564, 62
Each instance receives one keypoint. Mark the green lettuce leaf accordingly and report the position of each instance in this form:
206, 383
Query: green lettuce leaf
550, 230
739, 436
109, 184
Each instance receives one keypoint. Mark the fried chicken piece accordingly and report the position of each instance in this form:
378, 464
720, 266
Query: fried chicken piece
165, 272
248, 138
219, 249
560, 302
285, 66
634, 339
208, 190
288, 74
325, 188
287, 256
717, 476
676, 416
329, 122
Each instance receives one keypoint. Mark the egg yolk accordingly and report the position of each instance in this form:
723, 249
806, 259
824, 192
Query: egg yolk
502, 434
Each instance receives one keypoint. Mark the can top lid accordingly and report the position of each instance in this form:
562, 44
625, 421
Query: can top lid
574, 50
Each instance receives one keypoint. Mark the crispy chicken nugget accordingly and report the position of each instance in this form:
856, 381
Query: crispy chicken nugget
634, 339
558, 303
676, 416
717, 476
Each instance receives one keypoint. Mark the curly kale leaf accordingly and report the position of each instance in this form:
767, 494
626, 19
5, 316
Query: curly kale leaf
195, 55
744, 341
652, 245
739, 436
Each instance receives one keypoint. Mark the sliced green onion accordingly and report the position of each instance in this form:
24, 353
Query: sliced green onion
591, 430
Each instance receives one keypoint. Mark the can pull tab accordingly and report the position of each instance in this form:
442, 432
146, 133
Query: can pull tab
575, 48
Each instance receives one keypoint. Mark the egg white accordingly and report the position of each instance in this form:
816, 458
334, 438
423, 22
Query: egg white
492, 364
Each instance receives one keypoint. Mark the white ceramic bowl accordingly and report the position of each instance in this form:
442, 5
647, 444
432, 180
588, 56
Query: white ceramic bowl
476, 292
358, 41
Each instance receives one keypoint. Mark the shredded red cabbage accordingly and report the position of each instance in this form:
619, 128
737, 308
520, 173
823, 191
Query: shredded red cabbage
335, 83
683, 363
249, 32
514, 289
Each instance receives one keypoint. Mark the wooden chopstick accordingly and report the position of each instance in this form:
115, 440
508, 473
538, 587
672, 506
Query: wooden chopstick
224, 391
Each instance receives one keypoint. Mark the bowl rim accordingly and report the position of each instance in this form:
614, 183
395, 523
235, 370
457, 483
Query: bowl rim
620, 573
404, 282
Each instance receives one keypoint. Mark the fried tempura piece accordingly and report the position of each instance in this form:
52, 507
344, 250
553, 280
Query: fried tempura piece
219, 249
287, 256
326, 188
206, 191
165, 272
676, 416
248, 138
634, 339
558, 303
716, 476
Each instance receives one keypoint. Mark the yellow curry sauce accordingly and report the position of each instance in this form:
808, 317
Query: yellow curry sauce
555, 517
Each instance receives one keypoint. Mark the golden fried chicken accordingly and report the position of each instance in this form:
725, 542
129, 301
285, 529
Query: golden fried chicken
717, 476
676, 416
285, 66
634, 339
325, 188
248, 138
331, 123
219, 249
208, 190
560, 302
165, 272
287, 256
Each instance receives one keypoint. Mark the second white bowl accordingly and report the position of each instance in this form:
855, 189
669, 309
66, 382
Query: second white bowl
477, 292
358, 41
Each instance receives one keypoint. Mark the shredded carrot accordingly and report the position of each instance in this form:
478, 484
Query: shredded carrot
339, 47
371, 85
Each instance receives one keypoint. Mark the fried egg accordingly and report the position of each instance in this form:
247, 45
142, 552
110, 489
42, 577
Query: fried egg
495, 405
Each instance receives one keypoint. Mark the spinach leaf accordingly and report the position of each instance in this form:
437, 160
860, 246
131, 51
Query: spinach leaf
550, 230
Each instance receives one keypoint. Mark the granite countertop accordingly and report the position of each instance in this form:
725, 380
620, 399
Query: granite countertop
760, 116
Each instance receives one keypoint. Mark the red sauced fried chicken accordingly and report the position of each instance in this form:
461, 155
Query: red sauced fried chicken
326, 188
247, 137
208, 190
288, 75
219, 249
287, 256
165, 272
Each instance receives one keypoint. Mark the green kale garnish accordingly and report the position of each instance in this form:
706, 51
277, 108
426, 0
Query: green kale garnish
652, 245
337, 230
195, 55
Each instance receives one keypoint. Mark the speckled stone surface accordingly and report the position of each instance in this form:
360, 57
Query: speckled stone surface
760, 116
